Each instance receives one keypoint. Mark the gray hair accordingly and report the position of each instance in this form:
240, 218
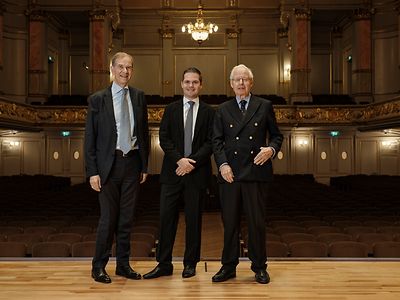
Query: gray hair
241, 66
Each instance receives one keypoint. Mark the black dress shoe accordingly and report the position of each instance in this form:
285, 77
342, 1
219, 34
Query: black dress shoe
100, 275
128, 272
224, 274
158, 272
262, 276
189, 271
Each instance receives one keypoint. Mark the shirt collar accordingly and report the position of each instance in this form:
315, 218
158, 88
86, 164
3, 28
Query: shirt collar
116, 88
186, 100
245, 98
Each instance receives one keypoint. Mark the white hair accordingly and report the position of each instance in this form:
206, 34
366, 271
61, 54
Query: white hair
241, 66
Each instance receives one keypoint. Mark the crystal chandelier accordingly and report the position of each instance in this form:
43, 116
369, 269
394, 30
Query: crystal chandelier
199, 30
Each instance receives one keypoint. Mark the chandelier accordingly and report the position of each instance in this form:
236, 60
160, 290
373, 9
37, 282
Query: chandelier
199, 30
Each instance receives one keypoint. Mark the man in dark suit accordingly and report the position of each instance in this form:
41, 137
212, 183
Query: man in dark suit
246, 137
116, 154
185, 137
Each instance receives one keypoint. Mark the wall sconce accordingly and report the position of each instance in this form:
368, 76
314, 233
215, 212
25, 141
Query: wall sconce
286, 73
12, 144
389, 144
85, 66
303, 143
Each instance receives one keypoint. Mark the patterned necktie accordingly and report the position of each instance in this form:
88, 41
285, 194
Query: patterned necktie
243, 106
188, 130
125, 137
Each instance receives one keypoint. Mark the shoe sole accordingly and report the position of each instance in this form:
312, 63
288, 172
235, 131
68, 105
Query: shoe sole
168, 274
106, 282
225, 279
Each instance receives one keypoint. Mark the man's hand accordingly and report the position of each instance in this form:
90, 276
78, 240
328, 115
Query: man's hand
262, 156
227, 173
95, 182
185, 166
143, 177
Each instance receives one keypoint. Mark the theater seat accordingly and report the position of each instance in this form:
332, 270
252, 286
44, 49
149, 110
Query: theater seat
387, 249
276, 249
12, 249
348, 249
51, 249
83, 249
308, 249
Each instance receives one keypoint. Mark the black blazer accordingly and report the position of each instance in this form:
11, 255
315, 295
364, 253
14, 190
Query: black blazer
172, 143
238, 139
101, 132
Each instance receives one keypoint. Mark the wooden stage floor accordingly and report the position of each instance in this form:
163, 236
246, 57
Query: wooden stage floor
290, 279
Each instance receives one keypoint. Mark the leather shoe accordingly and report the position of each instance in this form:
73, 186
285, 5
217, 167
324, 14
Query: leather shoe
100, 275
128, 272
158, 272
188, 271
262, 276
223, 275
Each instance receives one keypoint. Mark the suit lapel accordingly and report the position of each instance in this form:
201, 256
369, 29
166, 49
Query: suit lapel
199, 119
253, 106
179, 119
108, 103
135, 108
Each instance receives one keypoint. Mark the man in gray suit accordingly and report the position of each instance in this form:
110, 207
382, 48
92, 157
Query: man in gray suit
185, 137
246, 137
116, 155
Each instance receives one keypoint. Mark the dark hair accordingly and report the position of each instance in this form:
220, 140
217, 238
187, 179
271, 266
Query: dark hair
192, 70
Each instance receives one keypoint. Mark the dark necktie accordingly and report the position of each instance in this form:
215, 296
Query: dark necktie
243, 106
188, 130
125, 138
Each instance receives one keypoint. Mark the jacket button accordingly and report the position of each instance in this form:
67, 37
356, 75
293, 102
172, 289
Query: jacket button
256, 124
250, 137
237, 138
230, 125
235, 152
251, 152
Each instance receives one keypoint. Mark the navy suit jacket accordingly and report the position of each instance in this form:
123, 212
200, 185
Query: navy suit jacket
237, 139
101, 132
172, 143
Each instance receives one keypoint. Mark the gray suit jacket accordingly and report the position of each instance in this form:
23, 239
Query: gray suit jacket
101, 132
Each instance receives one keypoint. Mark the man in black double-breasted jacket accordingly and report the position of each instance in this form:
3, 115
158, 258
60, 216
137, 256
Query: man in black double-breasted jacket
183, 175
116, 165
246, 137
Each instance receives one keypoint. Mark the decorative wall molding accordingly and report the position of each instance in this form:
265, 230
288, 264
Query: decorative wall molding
26, 115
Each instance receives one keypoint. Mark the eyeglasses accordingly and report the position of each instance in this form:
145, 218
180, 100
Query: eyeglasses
122, 68
238, 80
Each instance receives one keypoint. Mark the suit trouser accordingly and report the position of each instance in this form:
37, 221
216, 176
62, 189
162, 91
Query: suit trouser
117, 199
169, 216
250, 196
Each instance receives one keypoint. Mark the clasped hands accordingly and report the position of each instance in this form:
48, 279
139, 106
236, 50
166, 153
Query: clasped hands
185, 166
262, 156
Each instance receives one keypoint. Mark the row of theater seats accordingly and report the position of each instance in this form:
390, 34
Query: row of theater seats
144, 236
296, 204
353, 212
139, 249
62, 222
